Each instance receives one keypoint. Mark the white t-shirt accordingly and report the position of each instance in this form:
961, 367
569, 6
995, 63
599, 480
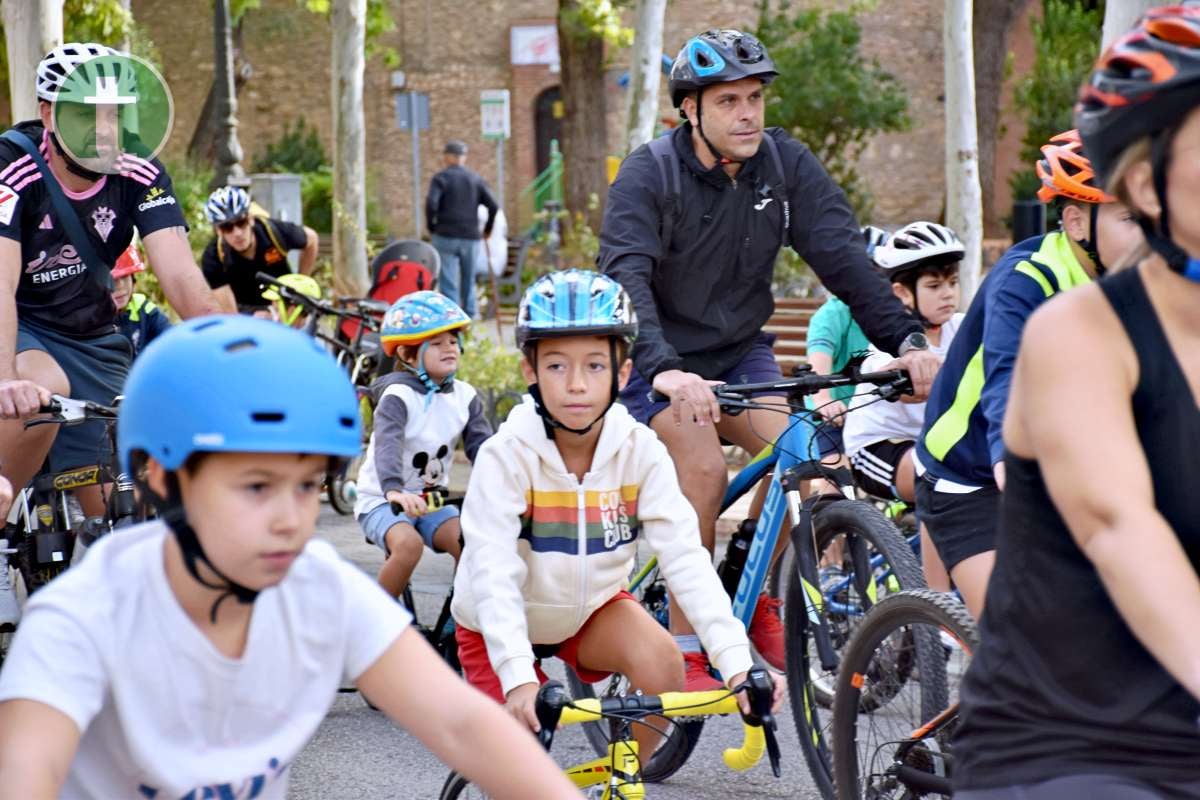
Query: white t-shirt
165, 715
874, 420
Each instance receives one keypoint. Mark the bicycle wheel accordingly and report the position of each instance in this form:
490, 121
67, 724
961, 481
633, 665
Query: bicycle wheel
457, 786
341, 487
875, 754
846, 532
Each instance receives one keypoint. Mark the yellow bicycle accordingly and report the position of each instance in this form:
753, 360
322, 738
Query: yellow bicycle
619, 771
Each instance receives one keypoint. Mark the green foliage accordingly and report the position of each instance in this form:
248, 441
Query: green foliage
494, 371
584, 19
379, 21
792, 276
829, 95
298, 149
1066, 44
316, 197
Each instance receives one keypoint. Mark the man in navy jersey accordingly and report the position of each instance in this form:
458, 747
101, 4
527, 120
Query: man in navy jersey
57, 317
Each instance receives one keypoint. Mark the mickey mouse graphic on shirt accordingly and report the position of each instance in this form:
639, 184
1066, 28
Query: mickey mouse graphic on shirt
431, 470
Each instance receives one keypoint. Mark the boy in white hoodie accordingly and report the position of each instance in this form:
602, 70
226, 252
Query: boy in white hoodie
556, 504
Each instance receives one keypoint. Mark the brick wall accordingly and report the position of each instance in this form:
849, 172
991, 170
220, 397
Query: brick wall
454, 55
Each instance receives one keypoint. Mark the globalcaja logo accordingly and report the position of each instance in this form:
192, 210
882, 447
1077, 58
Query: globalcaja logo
113, 114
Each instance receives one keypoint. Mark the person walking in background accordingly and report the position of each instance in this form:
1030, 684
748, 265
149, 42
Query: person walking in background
451, 206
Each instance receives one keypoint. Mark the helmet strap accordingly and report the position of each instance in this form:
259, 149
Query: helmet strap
1089, 244
1158, 236
432, 387
910, 282
722, 159
73, 166
548, 419
170, 509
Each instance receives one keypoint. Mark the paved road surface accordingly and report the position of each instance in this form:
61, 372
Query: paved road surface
358, 754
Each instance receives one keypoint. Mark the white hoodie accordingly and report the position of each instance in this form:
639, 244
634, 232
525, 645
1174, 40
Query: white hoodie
543, 551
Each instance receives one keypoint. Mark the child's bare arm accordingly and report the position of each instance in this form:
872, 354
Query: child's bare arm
37, 744
463, 727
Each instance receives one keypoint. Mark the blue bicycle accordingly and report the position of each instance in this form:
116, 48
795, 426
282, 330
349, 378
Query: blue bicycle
833, 533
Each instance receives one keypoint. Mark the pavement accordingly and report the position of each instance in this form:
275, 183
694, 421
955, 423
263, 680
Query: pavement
358, 753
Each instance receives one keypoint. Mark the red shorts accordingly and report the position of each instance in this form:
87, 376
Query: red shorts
477, 669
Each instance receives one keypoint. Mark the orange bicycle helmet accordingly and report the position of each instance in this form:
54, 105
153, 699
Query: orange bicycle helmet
1066, 172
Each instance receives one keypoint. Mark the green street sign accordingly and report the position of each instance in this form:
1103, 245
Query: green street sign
110, 108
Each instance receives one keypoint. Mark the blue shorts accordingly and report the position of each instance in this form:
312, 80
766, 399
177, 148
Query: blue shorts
96, 367
757, 366
379, 520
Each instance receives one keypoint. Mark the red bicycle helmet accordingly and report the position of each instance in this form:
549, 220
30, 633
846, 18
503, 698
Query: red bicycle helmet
128, 263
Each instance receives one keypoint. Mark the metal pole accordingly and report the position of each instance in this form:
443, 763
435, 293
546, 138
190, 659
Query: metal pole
416, 163
500, 170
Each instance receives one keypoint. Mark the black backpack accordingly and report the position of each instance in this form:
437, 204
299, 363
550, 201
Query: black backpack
669, 166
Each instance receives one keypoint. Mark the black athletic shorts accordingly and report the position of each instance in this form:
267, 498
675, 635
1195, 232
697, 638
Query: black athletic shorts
874, 467
961, 524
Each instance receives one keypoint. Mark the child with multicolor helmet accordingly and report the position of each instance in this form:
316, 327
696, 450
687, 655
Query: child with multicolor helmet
557, 504
138, 319
195, 655
421, 412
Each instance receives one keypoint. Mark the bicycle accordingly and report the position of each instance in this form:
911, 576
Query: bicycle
359, 354
895, 707
619, 770
818, 619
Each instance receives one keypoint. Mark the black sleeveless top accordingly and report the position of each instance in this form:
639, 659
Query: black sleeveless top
1060, 684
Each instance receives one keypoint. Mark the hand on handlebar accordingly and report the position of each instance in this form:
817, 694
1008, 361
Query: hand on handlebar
405, 502
689, 393
743, 687
20, 399
922, 367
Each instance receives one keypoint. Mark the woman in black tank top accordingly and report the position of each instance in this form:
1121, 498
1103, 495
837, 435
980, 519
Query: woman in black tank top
1087, 679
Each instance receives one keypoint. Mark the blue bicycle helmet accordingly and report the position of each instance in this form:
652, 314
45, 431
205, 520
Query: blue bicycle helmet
227, 204
236, 384
575, 302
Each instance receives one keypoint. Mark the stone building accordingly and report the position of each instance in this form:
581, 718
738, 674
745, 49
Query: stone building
452, 52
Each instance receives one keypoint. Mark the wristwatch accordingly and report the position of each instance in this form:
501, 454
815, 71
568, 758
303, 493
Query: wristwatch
914, 341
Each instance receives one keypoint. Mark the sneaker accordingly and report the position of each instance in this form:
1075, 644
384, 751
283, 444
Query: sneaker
698, 675
10, 612
766, 631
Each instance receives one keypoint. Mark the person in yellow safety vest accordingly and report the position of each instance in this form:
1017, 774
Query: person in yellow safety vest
138, 318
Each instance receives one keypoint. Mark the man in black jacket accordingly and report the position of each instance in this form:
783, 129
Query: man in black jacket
703, 296
452, 213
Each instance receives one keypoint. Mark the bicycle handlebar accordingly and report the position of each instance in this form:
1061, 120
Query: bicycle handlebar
555, 708
891, 383
434, 499
68, 411
313, 305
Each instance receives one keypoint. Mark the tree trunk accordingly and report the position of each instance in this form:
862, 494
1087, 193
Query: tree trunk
993, 19
228, 169
32, 28
585, 144
1120, 15
964, 208
348, 21
126, 43
645, 71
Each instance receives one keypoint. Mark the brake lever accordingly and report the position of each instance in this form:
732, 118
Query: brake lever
761, 690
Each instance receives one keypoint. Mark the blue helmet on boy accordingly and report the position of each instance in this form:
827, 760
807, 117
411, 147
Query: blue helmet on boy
415, 319
231, 384
575, 302
236, 384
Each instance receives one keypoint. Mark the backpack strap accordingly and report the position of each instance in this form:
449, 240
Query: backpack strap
780, 186
65, 211
668, 168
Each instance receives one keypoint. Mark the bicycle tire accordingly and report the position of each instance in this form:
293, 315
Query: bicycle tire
341, 486
934, 612
840, 518
677, 746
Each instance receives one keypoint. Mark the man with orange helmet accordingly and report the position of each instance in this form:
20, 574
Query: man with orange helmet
959, 453
138, 319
